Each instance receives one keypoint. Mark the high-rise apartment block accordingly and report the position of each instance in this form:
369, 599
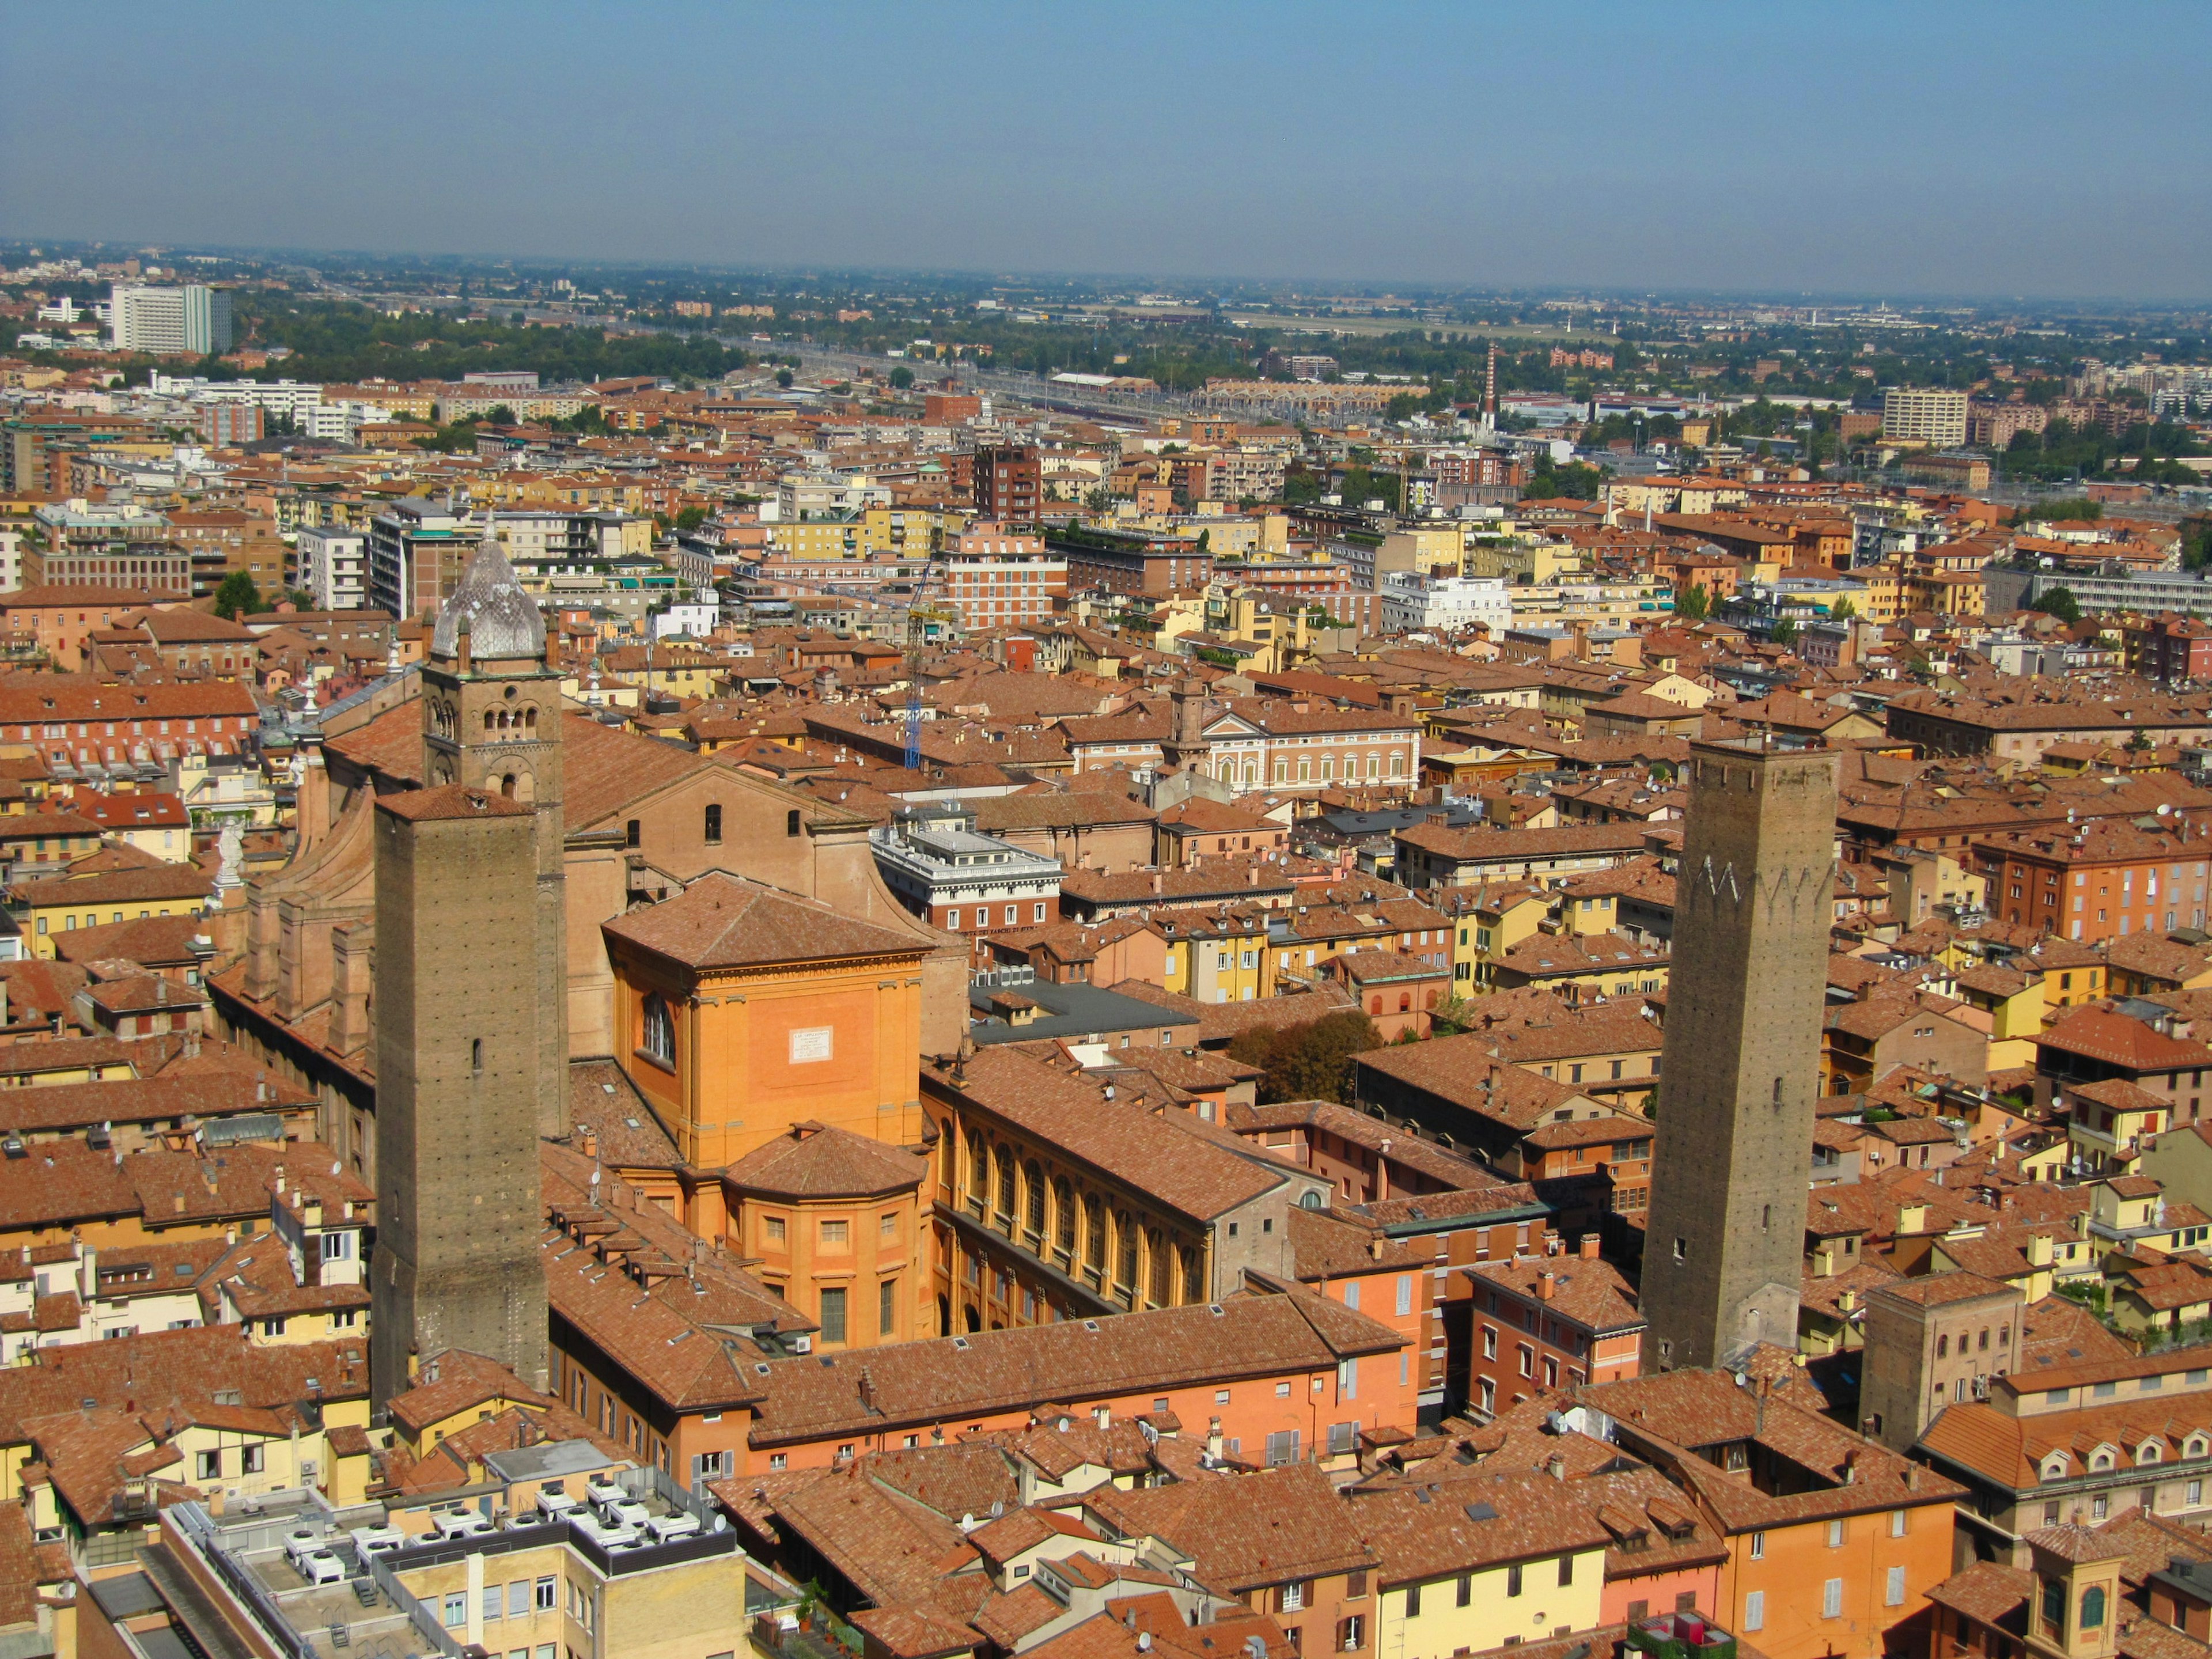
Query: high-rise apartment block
1009, 483
193, 320
1911, 415
999, 579
1741, 1067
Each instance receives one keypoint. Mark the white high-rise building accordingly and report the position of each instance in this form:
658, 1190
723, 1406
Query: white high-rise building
192, 320
333, 565
1925, 416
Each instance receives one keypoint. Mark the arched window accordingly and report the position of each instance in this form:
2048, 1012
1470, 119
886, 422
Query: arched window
1309, 1199
1033, 1198
1155, 1283
1094, 1244
491, 721
713, 825
1405, 1001
530, 718
1124, 1234
1007, 1182
1063, 1214
2148, 1452
2092, 1607
1943, 1345
949, 1147
1193, 1275
979, 1171
659, 1039
506, 785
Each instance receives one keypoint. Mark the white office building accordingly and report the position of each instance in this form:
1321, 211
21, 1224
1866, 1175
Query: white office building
1924, 415
1415, 603
333, 565
193, 320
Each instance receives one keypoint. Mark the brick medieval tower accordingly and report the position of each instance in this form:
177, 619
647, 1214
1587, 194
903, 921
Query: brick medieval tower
471, 1056
492, 718
1724, 1248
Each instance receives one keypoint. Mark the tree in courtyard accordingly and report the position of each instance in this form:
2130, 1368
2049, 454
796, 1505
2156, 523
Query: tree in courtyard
2057, 602
238, 597
1307, 1061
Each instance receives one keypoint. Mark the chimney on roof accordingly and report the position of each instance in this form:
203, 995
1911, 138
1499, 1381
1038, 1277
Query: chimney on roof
1102, 1416
1590, 1247
1546, 1284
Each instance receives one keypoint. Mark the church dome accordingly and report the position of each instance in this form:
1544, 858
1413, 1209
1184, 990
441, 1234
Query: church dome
502, 621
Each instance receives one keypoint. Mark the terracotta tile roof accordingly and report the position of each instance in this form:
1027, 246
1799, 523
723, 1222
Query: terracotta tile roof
1219, 1022
626, 1132
163, 1099
164, 882
889, 1548
813, 1160
723, 921
2008, 1451
1584, 1291
1422, 1533
185, 1368
1469, 1070
1275, 1527
456, 1381
1991, 1593
1327, 1117
1679, 1411
951, 1378
958, 1478
2118, 1039
2056, 1333
1940, 1289
1154, 1154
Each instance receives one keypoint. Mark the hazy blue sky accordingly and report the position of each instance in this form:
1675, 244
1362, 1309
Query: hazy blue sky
2042, 150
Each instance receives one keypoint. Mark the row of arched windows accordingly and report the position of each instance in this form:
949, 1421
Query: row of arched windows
500, 722
1094, 1235
504, 722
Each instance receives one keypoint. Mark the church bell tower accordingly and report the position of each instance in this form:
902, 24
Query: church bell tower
492, 720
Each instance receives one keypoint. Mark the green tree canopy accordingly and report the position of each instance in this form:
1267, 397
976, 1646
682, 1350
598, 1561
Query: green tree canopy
2057, 602
1309, 1061
902, 377
238, 597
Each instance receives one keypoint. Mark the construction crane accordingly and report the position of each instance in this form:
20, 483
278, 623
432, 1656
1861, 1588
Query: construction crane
918, 617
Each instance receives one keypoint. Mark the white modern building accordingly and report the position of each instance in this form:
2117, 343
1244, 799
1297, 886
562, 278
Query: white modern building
1413, 602
938, 866
1924, 415
333, 565
688, 620
191, 320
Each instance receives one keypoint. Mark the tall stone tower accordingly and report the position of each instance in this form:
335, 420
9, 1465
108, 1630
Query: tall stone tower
492, 718
1186, 745
471, 1038
1740, 1072
459, 1204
